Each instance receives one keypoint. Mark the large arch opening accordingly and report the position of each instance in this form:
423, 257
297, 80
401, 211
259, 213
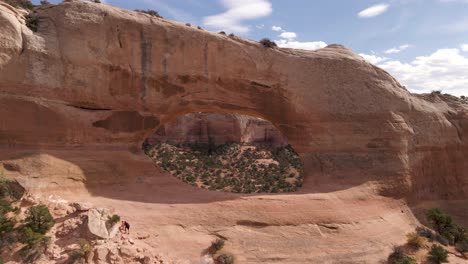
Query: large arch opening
226, 152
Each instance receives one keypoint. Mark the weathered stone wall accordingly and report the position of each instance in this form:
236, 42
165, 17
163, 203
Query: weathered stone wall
217, 129
94, 75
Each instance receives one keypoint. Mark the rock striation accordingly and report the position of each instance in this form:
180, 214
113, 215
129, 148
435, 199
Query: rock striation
98, 76
217, 129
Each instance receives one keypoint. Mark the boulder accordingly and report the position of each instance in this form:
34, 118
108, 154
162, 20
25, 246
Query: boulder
98, 223
100, 254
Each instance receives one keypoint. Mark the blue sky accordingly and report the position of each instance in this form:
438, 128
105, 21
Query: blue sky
423, 43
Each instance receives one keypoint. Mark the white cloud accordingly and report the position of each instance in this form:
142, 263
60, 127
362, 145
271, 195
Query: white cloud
374, 10
276, 28
445, 69
397, 49
237, 12
464, 47
261, 26
292, 44
373, 58
288, 35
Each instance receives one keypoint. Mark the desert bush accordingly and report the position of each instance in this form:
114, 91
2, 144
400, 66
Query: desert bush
114, 219
36, 244
81, 253
45, 2
6, 224
438, 92
441, 239
225, 259
462, 246
39, 219
218, 244
96, 1
188, 24
222, 33
26, 4
415, 241
460, 234
232, 35
10, 189
32, 22
425, 232
150, 12
438, 254
1, 260
398, 256
440, 221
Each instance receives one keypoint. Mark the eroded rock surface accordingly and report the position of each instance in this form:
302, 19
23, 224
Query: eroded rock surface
217, 129
79, 96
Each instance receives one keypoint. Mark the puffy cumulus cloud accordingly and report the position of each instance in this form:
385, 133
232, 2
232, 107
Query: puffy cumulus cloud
237, 12
372, 58
445, 69
464, 47
288, 40
276, 28
292, 44
288, 35
374, 10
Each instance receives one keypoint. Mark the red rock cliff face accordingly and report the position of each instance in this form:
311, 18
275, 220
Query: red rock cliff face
217, 129
95, 75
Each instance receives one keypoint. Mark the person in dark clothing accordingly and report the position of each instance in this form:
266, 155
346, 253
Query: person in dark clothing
127, 227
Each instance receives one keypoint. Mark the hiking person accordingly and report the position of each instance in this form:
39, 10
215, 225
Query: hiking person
122, 226
127, 227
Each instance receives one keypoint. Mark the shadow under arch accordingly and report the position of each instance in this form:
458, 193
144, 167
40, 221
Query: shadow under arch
124, 172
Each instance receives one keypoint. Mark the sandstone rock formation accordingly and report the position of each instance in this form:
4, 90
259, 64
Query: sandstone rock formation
98, 223
217, 129
80, 95
94, 74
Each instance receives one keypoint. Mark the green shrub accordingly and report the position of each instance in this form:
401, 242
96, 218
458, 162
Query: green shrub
440, 221
217, 245
438, 254
460, 234
425, 232
268, 43
114, 219
462, 246
39, 219
150, 12
6, 225
32, 238
36, 244
32, 22
10, 189
398, 256
225, 259
415, 241
81, 253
